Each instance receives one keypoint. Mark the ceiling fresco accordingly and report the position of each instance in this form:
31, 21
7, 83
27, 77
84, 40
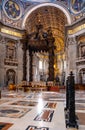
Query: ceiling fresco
0, 3
76, 6
12, 9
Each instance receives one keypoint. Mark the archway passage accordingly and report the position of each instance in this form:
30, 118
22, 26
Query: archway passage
49, 17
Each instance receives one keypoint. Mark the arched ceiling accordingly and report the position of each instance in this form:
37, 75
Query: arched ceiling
49, 16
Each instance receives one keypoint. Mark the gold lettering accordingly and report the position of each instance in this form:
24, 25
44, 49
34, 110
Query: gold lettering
13, 33
77, 29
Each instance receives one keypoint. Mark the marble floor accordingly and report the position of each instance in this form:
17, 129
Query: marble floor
37, 110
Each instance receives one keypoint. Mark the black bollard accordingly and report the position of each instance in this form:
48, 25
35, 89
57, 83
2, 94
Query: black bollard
67, 102
71, 88
67, 94
0, 94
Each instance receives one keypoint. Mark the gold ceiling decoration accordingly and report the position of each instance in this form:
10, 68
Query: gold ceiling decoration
76, 29
49, 17
12, 32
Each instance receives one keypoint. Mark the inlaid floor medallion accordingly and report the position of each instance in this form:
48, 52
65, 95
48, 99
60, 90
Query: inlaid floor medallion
45, 115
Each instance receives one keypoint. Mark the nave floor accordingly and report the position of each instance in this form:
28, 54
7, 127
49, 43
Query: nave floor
37, 110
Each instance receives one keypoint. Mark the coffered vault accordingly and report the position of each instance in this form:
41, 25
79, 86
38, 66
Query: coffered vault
49, 15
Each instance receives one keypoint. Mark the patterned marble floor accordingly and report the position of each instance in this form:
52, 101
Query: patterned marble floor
37, 110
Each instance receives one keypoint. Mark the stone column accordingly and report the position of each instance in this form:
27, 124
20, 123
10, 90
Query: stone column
71, 55
30, 66
51, 63
25, 42
2, 57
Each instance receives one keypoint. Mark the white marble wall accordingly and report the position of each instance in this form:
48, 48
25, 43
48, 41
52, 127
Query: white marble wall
4, 68
71, 56
2, 56
20, 62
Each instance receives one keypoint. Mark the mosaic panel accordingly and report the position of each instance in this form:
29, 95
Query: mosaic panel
81, 117
77, 6
12, 9
51, 105
80, 94
13, 95
25, 103
13, 112
57, 100
80, 107
3, 101
80, 101
37, 128
45, 115
5, 126
50, 96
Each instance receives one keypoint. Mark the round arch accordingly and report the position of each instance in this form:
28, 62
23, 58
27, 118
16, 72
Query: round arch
65, 11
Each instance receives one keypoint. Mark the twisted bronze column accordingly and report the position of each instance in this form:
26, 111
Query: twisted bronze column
50, 41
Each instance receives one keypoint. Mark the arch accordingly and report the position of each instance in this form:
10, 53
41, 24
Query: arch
65, 11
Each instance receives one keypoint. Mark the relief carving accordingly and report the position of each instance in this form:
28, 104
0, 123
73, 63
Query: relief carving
11, 50
71, 40
11, 54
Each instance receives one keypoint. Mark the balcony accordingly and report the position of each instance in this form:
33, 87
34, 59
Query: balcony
11, 62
